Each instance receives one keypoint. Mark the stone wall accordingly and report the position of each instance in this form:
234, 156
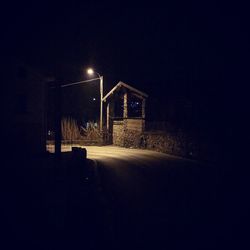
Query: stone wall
180, 144
166, 143
130, 133
118, 133
127, 133
133, 132
132, 138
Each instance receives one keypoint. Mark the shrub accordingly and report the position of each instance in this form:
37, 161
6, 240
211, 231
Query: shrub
91, 132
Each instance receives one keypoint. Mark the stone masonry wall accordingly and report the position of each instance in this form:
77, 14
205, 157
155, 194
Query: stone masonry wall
174, 143
132, 138
180, 144
133, 131
118, 133
127, 133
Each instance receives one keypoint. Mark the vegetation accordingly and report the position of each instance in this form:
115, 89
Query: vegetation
91, 132
72, 132
70, 129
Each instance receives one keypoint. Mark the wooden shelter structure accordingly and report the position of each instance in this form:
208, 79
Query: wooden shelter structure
125, 114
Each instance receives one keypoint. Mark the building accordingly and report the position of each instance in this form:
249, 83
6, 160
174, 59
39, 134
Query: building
24, 109
125, 114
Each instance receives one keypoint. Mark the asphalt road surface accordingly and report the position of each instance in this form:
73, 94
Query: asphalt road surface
121, 199
157, 201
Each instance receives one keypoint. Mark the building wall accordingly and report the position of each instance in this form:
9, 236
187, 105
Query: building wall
25, 112
134, 124
31, 124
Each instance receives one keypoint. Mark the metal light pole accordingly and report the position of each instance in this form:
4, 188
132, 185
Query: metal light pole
91, 72
58, 131
101, 102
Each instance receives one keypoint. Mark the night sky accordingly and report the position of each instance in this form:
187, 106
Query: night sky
192, 50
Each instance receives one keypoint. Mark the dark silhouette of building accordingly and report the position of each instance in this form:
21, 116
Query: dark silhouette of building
24, 109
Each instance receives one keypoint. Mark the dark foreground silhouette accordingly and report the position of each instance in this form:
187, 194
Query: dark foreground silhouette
52, 205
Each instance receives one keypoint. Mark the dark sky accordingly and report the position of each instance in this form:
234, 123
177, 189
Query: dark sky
190, 48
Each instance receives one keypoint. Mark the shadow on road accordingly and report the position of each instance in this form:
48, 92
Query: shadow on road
175, 204
51, 206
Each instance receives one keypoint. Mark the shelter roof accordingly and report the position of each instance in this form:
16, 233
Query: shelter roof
119, 85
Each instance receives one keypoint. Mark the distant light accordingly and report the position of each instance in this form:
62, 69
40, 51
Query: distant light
137, 103
94, 99
90, 71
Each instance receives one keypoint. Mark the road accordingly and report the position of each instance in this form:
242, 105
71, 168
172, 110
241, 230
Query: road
157, 201
137, 199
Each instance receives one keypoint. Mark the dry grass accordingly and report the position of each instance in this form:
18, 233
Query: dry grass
70, 130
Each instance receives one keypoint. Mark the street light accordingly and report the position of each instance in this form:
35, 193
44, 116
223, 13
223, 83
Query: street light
91, 72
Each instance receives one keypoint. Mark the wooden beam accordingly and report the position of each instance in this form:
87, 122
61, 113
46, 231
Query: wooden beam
126, 86
133, 89
138, 96
125, 105
108, 117
143, 113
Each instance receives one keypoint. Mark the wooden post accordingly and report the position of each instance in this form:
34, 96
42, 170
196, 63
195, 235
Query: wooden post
125, 105
108, 117
143, 114
58, 132
143, 108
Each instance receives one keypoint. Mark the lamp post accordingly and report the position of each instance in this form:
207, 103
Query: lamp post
90, 71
